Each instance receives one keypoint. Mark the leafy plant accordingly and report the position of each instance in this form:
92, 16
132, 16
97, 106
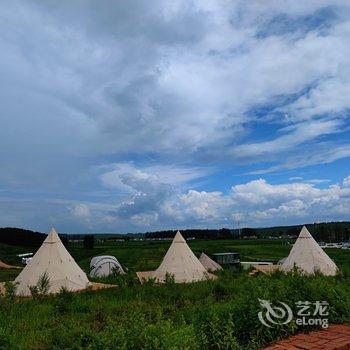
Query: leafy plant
42, 287
169, 278
44, 284
10, 290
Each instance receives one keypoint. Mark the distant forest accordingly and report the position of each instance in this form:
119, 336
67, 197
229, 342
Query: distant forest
24, 238
223, 233
326, 232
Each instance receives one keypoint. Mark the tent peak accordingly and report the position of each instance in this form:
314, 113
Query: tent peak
304, 233
179, 238
52, 237
308, 256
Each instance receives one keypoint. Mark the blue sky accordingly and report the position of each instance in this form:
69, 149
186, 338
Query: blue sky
135, 116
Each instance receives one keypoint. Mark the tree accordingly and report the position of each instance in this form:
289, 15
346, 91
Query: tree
89, 241
249, 232
18, 236
224, 233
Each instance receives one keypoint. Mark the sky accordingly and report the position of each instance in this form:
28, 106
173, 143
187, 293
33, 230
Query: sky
133, 116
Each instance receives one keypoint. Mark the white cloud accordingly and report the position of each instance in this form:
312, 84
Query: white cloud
115, 80
198, 85
346, 181
325, 154
146, 219
206, 206
295, 178
253, 203
260, 203
177, 176
298, 134
81, 212
318, 181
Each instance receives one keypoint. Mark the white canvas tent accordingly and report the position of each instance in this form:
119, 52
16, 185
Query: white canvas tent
105, 265
180, 262
53, 259
308, 256
208, 263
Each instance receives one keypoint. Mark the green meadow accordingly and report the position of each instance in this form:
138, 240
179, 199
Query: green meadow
219, 314
146, 255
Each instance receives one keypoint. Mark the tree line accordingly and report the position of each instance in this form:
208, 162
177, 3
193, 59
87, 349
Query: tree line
223, 233
325, 231
25, 238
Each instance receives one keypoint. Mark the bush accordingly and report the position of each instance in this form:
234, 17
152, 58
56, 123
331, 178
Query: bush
169, 279
62, 302
219, 314
41, 288
10, 290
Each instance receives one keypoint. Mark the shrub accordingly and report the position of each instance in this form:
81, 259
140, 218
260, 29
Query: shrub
10, 290
219, 314
169, 279
41, 288
62, 302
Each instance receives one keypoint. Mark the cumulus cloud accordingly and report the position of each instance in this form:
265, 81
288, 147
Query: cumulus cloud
257, 202
260, 203
184, 88
150, 197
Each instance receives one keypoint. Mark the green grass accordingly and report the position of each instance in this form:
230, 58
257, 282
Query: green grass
146, 255
218, 314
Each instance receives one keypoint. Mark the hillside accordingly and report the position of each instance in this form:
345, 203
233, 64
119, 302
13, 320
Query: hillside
25, 238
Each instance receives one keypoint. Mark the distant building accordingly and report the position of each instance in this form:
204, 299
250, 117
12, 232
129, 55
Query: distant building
24, 255
26, 261
230, 258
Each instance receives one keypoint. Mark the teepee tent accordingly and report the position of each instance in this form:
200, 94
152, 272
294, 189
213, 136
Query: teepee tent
53, 259
179, 262
208, 263
308, 256
105, 265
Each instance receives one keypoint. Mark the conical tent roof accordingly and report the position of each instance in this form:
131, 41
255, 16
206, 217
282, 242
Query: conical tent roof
53, 259
208, 263
308, 256
180, 262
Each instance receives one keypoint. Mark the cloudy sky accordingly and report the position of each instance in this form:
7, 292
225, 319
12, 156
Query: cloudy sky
130, 116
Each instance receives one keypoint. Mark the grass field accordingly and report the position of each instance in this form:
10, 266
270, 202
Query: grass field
146, 255
218, 314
